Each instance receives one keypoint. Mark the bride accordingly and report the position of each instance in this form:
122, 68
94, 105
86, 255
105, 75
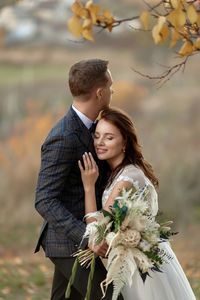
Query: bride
116, 142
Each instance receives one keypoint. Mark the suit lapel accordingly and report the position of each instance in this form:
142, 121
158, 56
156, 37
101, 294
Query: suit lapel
83, 134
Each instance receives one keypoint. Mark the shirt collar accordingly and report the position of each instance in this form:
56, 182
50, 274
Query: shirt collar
86, 121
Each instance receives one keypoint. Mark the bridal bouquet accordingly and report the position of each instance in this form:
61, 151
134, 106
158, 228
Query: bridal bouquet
133, 236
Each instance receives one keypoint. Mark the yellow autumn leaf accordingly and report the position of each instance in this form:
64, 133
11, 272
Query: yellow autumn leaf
181, 18
109, 27
76, 8
88, 4
192, 14
88, 34
186, 49
197, 44
99, 19
175, 3
156, 35
177, 18
159, 31
161, 21
94, 10
75, 26
192, 31
198, 20
164, 32
167, 3
144, 17
175, 36
107, 14
87, 23
84, 14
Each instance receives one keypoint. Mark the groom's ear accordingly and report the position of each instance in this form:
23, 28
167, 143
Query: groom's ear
99, 93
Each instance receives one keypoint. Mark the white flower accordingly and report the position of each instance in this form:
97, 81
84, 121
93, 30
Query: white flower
109, 238
144, 245
125, 195
91, 231
103, 220
142, 260
153, 239
138, 222
166, 229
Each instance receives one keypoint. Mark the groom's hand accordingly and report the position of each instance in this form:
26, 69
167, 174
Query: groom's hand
100, 249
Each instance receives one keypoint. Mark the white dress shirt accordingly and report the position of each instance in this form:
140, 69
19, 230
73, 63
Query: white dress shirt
86, 121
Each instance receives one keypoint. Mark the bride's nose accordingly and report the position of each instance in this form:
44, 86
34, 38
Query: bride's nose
100, 141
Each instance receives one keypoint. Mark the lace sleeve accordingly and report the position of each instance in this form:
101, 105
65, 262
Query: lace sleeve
136, 177
133, 175
129, 179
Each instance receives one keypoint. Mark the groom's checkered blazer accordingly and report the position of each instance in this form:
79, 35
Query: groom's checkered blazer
59, 193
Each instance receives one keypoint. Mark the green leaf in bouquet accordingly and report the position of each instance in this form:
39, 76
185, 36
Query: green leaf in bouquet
118, 218
112, 210
107, 213
115, 204
165, 235
123, 212
101, 233
154, 256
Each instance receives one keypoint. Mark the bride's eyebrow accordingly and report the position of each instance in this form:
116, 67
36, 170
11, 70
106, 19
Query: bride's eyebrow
107, 133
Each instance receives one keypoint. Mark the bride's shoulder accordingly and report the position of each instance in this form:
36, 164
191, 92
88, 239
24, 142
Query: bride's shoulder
132, 170
132, 174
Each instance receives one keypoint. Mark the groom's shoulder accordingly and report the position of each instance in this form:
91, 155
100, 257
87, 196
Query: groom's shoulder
63, 127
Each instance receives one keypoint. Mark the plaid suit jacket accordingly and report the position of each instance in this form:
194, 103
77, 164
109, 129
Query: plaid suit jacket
59, 193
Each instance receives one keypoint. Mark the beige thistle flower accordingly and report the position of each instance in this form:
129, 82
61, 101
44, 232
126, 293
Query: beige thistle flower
130, 237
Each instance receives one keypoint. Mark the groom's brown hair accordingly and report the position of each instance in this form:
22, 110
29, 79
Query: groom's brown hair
86, 75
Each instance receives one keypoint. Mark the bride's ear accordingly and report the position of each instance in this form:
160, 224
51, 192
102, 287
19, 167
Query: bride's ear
124, 147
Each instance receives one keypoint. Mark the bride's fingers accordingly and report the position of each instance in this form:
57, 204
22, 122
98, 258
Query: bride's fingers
89, 163
85, 162
93, 162
80, 166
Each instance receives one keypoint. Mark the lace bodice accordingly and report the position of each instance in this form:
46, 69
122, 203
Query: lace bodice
136, 176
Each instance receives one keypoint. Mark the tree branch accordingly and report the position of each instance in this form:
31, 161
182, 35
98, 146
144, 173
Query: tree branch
167, 74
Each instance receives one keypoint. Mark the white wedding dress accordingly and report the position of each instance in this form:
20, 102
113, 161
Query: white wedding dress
172, 284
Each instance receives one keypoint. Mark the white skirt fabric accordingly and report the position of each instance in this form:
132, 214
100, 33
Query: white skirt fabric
172, 284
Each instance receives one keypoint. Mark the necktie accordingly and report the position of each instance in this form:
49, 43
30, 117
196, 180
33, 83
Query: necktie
93, 127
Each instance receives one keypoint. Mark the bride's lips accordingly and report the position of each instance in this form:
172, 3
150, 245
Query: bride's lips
101, 150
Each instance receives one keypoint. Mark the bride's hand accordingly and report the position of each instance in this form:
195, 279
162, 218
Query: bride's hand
90, 172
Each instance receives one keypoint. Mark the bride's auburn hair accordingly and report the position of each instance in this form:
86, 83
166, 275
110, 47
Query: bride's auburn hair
133, 153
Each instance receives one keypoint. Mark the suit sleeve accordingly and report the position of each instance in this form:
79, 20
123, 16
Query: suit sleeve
58, 157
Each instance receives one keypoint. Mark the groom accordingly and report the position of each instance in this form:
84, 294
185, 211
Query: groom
60, 194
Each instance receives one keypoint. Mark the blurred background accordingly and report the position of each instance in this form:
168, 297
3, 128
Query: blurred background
36, 52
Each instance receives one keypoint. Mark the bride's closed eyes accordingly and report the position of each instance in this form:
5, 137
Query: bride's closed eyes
97, 136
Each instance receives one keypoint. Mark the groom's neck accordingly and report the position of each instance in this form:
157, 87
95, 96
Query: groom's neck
88, 108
